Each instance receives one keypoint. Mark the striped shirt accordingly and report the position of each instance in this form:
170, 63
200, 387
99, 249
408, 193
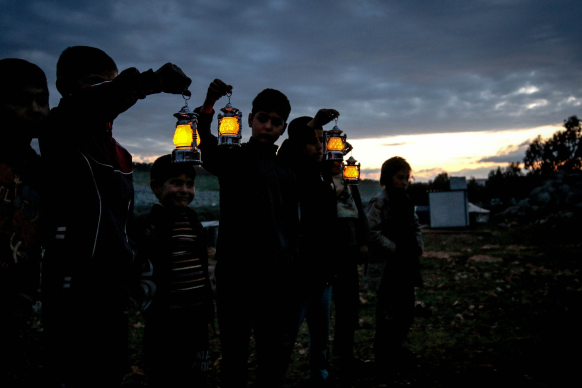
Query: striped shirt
188, 276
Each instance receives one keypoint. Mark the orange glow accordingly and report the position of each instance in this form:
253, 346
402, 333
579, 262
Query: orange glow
351, 172
335, 144
229, 126
183, 136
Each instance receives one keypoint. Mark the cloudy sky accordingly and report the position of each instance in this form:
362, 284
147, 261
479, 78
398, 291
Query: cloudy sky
452, 85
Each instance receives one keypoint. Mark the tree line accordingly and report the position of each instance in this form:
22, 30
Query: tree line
507, 185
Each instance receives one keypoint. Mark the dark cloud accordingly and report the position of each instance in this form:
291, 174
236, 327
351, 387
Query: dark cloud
393, 144
398, 67
508, 154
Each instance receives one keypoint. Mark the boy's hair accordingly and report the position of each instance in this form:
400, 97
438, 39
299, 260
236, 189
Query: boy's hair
271, 100
78, 61
390, 167
299, 132
163, 169
17, 73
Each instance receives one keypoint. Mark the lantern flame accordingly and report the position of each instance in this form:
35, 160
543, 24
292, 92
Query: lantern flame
335, 144
183, 136
351, 172
229, 126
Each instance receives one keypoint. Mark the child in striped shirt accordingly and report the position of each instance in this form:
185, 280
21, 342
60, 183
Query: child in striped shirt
178, 304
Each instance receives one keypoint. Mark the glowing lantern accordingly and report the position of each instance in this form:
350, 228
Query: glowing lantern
186, 137
351, 171
335, 145
229, 126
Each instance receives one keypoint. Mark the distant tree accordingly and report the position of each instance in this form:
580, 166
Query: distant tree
476, 192
440, 183
418, 192
562, 151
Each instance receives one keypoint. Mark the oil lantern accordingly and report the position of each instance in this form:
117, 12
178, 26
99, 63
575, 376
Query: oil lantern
186, 137
351, 171
335, 144
229, 126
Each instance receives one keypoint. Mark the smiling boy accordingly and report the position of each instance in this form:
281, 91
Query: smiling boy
171, 241
257, 240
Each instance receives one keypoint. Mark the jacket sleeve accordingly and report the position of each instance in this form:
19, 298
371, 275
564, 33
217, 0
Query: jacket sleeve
144, 289
418, 234
363, 229
375, 218
78, 116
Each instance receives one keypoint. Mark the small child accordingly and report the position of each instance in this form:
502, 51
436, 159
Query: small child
396, 243
172, 239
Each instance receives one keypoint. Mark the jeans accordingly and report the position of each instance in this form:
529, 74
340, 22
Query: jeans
270, 316
315, 309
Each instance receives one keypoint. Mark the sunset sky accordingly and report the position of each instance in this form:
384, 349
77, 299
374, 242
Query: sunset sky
456, 86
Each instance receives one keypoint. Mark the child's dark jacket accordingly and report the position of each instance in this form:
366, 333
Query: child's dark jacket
317, 260
20, 215
395, 239
153, 235
258, 233
88, 188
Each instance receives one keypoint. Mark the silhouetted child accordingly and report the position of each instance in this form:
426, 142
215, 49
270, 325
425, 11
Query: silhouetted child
317, 262
172, 239
23, 107
88, 260
257, 241
351, 229
394, 269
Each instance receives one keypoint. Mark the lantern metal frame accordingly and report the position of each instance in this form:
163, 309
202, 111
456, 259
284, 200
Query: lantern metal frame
351, 162
192, 153
228, 140
334, 155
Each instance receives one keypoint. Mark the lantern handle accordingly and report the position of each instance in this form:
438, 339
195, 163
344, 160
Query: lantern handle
348, 148
186, 99
228, 95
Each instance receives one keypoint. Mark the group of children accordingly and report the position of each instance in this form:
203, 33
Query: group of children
278, 208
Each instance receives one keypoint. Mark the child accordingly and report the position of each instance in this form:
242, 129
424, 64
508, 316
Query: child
396, 242
351, 229
257, 241
88, 260
173, 240
317, 262
23, 107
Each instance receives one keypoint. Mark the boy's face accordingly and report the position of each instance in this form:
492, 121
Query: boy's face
267, 127
337, 168
176, 192
314, 149
401, 179
24, 110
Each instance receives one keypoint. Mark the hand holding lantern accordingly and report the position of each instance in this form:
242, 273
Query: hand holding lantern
229, 126
186, 137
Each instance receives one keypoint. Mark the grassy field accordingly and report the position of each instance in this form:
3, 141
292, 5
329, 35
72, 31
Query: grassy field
506, 309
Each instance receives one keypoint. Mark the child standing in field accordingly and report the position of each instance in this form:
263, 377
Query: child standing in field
396, 244
88, 195
172, 241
